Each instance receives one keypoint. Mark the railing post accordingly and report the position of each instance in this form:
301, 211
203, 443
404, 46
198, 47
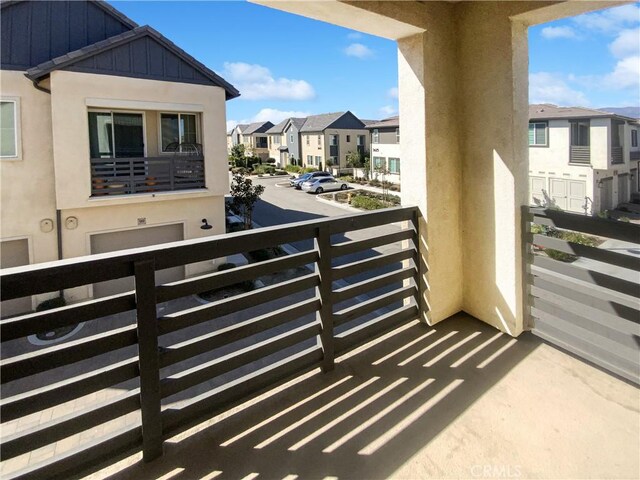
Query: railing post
172, 172
325, 315
148, 359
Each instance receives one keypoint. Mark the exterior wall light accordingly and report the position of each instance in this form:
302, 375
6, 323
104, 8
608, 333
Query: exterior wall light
205, 225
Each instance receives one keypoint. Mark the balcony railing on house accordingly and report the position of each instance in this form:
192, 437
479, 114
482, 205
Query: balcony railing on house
580, 154
616, 155
584, 286
193, 351
125, 176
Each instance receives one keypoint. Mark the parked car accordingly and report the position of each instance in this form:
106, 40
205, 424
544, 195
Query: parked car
322, 184
297, 182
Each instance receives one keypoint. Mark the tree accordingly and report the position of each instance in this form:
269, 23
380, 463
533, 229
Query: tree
382, 170
355, 160
237, 156
244, 197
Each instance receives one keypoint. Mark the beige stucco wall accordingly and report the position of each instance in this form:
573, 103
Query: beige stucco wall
313, 148
186, 211
345, 147
27, 194
273, 147
72, 91
600, 140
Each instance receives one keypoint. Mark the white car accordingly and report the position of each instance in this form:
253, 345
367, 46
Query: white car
327, 184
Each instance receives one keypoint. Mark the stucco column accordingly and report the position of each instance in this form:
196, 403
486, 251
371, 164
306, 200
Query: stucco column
463, 111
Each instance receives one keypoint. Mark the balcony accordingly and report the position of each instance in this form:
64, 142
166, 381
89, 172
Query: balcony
580, 155
396, 396
616, 155
126, 176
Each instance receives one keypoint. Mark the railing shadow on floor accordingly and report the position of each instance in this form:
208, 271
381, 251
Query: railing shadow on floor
380, 406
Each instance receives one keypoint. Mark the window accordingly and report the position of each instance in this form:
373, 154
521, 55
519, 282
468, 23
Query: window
538, 134
333, 140
634, 138
9, 143
334, 161
116, 135
276, 139
261, 142
397, 135
309, 160
318, 160
378, 162
394, 165
177, 128
308, 139
348, 138
319, 141
291, 138
580, 133
360, 140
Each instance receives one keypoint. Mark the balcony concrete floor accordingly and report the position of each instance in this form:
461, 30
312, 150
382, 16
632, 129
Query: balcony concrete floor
456, 401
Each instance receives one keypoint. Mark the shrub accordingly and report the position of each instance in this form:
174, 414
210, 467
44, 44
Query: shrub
624, 219
239, 170
293, 169
56, 302
279, 172
375, 182
573, 237
309, 169
270, 160
264, 169
367, 203
346, 178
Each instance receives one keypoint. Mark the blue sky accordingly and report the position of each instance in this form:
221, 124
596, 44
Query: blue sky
286, 65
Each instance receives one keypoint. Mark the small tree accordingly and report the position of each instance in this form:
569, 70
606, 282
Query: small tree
382, 170
237, 156
355, 160
244, 197
366, 169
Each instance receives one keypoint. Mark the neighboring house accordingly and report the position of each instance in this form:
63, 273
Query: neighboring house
112, 137
331, 137
254, 138
284, 141
234, 137
580, 159
385, 149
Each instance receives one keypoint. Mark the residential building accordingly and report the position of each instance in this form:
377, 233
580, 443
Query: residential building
284, 141
112, 137
234, 136
385, 149
254, 138
331, 137
580, 158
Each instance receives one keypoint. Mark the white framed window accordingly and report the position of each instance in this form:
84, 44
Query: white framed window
308, 140
348, 138
319, 140
116, 134
538, 133
397, 135
291, 138
360, 140
276, 139
394, 165
634, 138
309, 160
178, 128
10, 144
318, 160
376, 136
378, 162
333, 140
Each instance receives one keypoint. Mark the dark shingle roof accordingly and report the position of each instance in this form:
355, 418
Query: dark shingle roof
317, 123
257, 127
298, 122
279, 128
70, 58
548, 111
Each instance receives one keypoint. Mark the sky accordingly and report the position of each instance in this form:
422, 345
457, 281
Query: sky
285, 65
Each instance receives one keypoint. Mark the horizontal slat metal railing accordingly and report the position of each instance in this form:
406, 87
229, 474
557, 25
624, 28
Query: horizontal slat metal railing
125, 176
243, 357
580, 154
585, 298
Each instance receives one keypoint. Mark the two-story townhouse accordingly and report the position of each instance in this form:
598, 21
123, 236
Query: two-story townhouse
234, 137
255, 139
331, 137
284, 141
385, 149
112, 137
579, 158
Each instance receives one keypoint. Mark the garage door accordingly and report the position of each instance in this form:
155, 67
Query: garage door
538, 190
623, 188
14, 253
634, 180
141, 237
569, 195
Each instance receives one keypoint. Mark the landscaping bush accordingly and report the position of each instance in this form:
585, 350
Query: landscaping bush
346, 178
279, 172
567, 236
293, 169
309, 169
239, 170
56, 302
367, 203
264, 169
270, 160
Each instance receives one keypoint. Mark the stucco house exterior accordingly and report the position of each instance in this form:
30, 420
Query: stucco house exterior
254, 138
112, 138
332, 136
385, 149
284, 141
580, 159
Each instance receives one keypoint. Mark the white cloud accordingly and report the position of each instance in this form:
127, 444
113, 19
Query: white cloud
388, 110
354, 36
358, 50
393, 92
547, 87
610, 20
231, 124
558, 32
626, 74
256, 82
627, 44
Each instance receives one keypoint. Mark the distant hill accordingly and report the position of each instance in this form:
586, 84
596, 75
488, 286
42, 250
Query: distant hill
633, 112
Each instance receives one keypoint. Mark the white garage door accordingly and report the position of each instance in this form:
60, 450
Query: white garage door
538, 190
623, 188
14, 253
569, 195
140, 237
